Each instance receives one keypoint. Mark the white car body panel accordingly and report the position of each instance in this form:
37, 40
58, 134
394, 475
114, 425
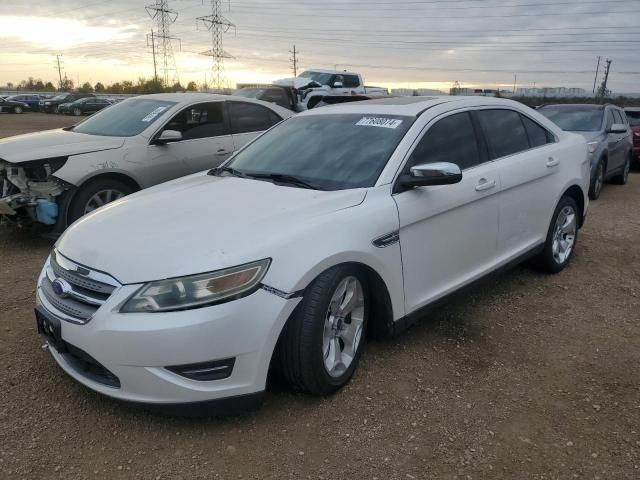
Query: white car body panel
449, 236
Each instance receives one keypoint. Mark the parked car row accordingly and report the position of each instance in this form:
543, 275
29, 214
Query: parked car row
283, 251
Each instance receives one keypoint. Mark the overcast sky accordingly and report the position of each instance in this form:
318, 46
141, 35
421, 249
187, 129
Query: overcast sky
428, 43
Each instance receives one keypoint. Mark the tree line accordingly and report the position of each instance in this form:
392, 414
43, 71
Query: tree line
142, 86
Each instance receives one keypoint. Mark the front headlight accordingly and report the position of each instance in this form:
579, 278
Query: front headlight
592, 146
197, 291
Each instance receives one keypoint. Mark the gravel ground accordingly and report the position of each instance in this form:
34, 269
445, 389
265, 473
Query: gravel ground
531, 376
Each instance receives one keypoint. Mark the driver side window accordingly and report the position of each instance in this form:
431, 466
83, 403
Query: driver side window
452, 140
203, 120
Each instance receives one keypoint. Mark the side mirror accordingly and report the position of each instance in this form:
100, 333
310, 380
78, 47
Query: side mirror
618, 128
168, 136
428, 174
337, 84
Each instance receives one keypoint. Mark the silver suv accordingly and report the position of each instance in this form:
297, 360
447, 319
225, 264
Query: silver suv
608, 135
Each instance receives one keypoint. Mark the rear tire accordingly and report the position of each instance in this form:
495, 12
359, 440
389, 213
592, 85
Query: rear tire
623, 177
17, 110
562, 237
322, 342
77, 112
94, 195
598, 182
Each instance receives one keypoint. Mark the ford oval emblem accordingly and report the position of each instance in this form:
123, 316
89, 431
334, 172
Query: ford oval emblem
61, 287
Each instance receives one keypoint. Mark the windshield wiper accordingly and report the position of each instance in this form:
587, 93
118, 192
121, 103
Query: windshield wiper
218, 170
284, 178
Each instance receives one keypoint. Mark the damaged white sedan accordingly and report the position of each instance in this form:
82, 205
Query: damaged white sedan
57, 176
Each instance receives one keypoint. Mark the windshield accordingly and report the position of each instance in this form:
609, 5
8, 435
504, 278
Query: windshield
574, 119
124, 119
329, 152
249, 92
634, 118
321, 78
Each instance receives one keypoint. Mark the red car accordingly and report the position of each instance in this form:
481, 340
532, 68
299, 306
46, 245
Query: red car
633, 114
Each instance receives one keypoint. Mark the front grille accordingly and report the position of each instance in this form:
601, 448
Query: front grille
74, 292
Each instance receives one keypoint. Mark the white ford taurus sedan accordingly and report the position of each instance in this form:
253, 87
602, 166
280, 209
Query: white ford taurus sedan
55, 177
336, 225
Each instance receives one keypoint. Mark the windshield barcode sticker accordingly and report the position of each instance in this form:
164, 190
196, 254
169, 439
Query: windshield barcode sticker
154, 114
379, 122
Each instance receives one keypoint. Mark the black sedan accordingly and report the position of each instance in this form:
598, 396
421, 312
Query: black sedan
10, 106
84, 106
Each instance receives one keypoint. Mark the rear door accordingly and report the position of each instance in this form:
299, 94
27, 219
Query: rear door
448, 233
248, 120
206, 141
622, 139
528, 160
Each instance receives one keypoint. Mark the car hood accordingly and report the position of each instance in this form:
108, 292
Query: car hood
195, 224
53, 143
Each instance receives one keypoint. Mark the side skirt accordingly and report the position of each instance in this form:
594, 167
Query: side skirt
406, 322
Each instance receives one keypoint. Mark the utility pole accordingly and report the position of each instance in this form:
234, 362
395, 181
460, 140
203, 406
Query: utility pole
59, 68
602, 91
217, 25
595, 79
515, 80
294, 61
164, 17
153, 51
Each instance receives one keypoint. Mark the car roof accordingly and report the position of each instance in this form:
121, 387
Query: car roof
575, 106
411, 106
632, 109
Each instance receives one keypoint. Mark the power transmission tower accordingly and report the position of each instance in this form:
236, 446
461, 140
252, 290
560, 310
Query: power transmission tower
59, 68
602, 90
217, 25
595, 79
162, 40
294, 61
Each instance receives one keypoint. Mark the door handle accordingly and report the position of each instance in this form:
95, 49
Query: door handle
552, 162
222, 151
485, 184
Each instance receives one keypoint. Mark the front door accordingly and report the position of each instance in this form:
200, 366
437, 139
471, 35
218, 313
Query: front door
205, 143
448, 233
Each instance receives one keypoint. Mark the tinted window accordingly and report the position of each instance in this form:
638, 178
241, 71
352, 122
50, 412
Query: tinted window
634, 118
574, 118
246, 117
451, 139
277, 96
199, 121
331, 152
125, 119
351, 81
618, 117
504, 131
538, 135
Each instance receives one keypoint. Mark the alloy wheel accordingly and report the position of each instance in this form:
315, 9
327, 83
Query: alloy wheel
102, 198
343, 326
564, 236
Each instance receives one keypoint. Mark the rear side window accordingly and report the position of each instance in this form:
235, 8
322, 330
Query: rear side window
451, 139
351, 81
246, 117
504, 131
538, 135
277, 96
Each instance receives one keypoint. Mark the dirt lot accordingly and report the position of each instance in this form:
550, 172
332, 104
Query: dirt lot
532, 376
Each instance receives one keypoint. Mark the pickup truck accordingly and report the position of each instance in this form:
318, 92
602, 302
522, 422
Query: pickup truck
312, 86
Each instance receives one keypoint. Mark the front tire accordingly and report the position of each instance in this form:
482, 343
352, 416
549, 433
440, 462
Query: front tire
322, 342
561, 237
598, 182
77, 112
17, 110
94, 195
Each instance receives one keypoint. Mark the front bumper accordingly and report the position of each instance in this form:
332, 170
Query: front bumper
137, 348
